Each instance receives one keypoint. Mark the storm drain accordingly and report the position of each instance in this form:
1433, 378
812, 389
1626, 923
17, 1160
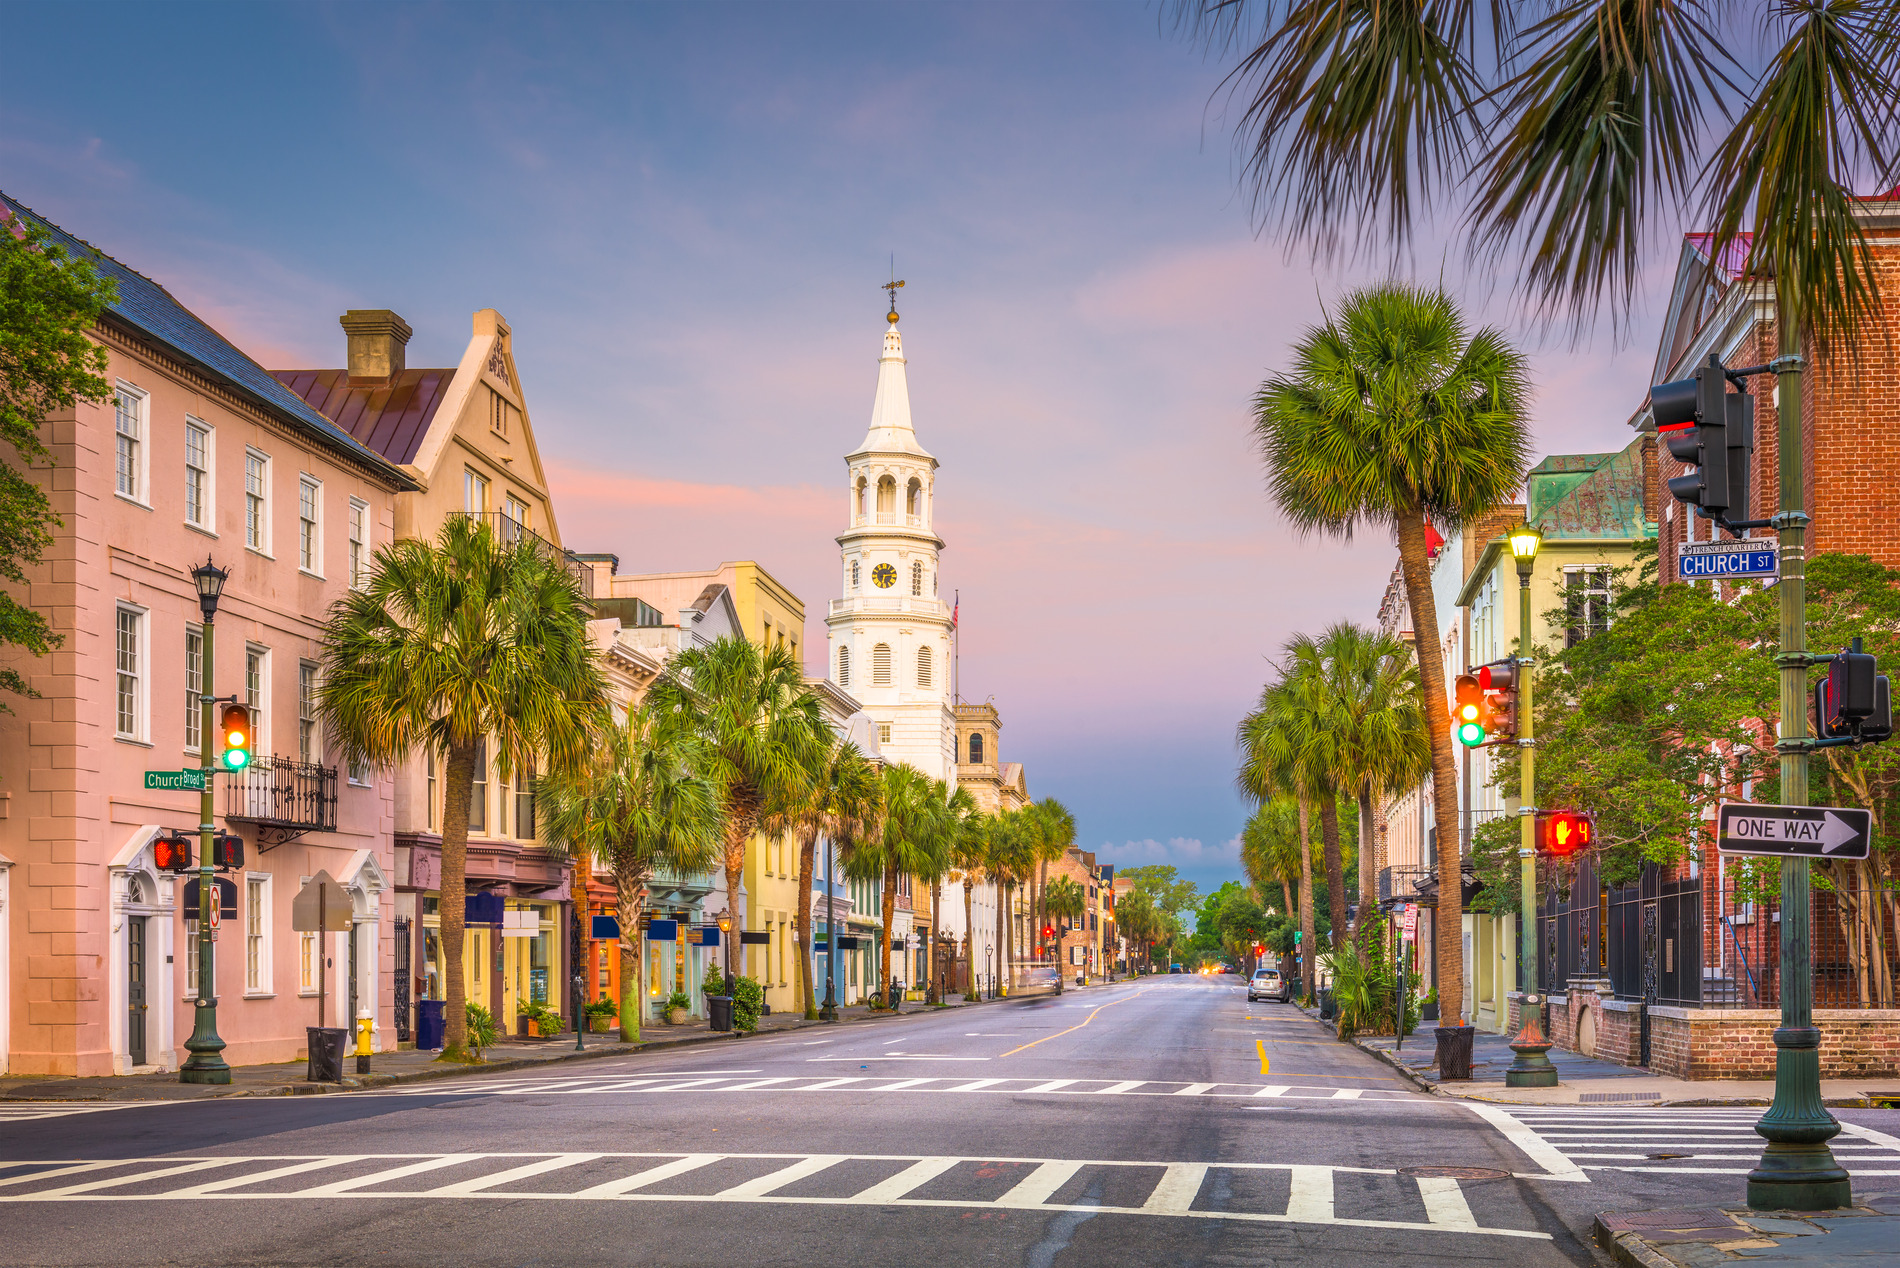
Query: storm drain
1455, 1173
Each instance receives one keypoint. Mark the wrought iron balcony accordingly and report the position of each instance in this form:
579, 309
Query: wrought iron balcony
285, 799
509, 530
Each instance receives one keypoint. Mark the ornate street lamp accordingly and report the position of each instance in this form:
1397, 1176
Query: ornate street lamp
1532, 1068
206, 1063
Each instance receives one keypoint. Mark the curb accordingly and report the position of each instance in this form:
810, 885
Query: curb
1423, 1085
1627, 1249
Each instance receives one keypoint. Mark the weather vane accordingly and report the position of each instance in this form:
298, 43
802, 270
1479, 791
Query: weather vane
890, 288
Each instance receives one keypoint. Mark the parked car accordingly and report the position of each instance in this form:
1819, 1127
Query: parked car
1268, 984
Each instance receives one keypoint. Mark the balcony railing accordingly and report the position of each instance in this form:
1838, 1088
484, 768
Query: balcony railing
284, 798
509, 530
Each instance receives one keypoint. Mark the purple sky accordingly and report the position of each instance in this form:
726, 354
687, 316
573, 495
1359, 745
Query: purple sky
685, 213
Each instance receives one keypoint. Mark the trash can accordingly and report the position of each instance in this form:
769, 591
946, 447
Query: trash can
431, 1026
326, 1044
1327, 1008
1454, 1052
721, 1006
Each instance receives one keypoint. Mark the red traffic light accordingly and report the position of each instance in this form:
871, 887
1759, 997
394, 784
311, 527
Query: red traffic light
1048, 931
1565, 832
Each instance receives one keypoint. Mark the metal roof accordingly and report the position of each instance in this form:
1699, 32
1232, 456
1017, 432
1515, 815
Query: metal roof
389, 417
150, 312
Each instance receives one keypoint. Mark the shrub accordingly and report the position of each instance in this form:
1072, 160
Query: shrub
715, 983
481, 1029
748, 999
545, 1018
678, 999
603, 1008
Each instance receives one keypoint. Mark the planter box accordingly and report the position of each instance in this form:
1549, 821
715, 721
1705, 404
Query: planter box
603, 1025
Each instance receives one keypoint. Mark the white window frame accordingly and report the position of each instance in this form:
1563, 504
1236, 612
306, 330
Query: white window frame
258, 981
361, 544
471, 481
140, 674
309, 733
258, 701
308, 949
139, 438
309, 527
194, 707
881, 671
209, 520
926, 667
358, 773
844, 665
260, 542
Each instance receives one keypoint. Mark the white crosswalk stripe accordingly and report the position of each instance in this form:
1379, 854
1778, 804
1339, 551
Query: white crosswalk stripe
1710, 1141
1174, 1189
680, 1084
26, 1111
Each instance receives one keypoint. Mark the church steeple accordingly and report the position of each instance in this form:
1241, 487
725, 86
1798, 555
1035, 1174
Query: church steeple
891, 430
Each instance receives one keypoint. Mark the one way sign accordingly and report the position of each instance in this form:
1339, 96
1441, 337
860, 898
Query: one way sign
1832, 832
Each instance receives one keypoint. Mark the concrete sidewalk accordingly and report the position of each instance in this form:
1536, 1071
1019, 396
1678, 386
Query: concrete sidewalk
1583, 1080
411, 1066
1866, 1233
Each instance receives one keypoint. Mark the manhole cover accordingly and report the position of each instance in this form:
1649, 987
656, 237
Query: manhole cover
1658, 1157
1456, 1173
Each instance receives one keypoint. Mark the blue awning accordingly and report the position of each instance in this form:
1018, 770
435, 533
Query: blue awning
663, 931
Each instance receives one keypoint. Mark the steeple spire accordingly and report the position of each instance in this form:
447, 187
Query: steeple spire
891, 430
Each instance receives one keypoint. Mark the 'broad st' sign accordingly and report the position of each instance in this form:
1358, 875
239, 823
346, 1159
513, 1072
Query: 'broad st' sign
1832, 832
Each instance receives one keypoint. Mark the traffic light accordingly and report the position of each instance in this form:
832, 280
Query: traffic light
227, 850
1048, 931
1712, 429
1468, 721
238, 740
172, 854
1853, 701
1565, 832
1498, 680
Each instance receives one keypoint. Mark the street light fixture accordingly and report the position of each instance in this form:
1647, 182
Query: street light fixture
1532, 1068
206, 1063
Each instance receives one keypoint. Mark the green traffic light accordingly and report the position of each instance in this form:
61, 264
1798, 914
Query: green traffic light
1470, 734
236, 758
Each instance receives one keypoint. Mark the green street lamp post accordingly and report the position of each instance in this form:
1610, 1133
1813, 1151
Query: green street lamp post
1797, 1170
1532, 1068
206, 1063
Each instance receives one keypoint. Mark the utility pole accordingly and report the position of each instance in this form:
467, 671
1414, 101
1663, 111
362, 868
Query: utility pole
206, 1063
1532, 1068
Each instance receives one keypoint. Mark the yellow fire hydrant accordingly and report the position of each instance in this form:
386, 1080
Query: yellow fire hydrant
363, 1041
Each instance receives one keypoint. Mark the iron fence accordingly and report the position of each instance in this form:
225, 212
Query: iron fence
1854, 924
283, 794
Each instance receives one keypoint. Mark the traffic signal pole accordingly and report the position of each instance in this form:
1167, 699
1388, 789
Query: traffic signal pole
206, 1063
1532, 1068
1797, 1170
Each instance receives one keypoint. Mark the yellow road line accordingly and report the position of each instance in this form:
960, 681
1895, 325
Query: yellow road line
1262, 1045
1085, 1021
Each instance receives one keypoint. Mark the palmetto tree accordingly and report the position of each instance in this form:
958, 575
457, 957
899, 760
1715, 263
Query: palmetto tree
1051, 830
1270, 851
1319, 719
1373, 682
639, 808
839, 798
911, 841
970, 855
951, 810
1010, 857
1393, 415
760, 728
450, 646
1282, 755
1062, 899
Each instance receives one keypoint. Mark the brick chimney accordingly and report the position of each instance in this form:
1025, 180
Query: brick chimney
377, 339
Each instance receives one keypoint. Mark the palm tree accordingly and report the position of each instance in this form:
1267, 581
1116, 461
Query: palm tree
1062, 899
1282, 754
1566, 137
1319, 718
839, 798
1270, 851
951, 809
1394, 415
1008, 862
911, 842
1052, 832
1383, 743
639, 808
448, 646
760, 729
970, 854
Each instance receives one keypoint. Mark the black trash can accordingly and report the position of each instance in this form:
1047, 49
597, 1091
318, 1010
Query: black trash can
431, 1025
326, 1047
1327, 1008
721, 1006
1454, 1052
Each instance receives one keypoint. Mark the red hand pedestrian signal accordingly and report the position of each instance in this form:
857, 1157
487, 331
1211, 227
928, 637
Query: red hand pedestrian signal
1565, 832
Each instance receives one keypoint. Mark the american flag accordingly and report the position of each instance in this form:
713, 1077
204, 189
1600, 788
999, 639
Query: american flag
956, 602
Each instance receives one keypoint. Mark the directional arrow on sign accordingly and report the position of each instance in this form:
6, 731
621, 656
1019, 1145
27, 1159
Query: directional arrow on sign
1836, 832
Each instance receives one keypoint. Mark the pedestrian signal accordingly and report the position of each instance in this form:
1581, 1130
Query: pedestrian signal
227, 850
172, 854
1468, 712
1565, 832
238, 741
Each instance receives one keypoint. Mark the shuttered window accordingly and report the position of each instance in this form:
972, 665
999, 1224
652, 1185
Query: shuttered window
923, 666
881, 665
844, 666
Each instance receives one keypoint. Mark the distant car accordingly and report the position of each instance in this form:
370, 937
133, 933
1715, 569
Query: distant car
1268, 984
1038, 979
1175, 968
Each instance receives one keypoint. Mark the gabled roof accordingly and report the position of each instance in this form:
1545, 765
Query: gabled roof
148, 313
389, 417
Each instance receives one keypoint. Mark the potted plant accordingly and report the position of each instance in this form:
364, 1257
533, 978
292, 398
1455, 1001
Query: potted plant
602, 1017
677, 1008
481, 1029
537, 1019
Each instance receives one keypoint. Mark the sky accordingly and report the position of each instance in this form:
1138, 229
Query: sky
685, 212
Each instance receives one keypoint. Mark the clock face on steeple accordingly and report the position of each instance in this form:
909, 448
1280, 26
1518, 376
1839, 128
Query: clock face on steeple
885, 576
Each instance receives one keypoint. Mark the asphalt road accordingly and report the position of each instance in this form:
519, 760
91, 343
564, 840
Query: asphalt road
1162, 1122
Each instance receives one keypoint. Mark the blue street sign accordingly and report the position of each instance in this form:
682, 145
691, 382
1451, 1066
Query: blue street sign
1728, 560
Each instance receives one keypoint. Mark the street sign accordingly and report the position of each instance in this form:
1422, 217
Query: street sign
1699, 561
321, 904
1410, 923
188, 780
1833, 832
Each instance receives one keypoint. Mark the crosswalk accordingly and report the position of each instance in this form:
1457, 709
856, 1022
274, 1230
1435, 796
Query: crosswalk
689, 1082
27, 1111
1676, 1139
1282, 1193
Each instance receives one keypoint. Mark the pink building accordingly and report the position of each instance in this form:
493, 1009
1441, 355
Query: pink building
201, 453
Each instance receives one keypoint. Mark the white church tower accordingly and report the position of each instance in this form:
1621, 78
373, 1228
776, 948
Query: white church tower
890, 634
